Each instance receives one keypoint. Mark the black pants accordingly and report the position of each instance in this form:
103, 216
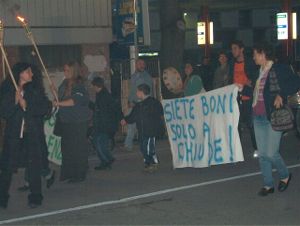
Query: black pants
74, 149
33, 163
147, 145
101, 141
45, 171
245, 107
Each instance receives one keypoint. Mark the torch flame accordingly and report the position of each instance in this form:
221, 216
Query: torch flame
21, 19
1, 29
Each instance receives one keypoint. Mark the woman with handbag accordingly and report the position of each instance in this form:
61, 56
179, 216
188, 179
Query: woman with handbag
73, 118
275, 83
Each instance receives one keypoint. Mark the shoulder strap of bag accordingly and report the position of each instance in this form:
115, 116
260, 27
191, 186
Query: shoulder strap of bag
274, 85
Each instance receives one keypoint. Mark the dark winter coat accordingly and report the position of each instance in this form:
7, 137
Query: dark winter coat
147, 115
80, 111
38, 106
107, 116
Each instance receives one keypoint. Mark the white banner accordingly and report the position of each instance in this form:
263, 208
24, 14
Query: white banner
53, 142
203, 129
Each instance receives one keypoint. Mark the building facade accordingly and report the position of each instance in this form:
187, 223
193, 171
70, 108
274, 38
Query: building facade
64, 30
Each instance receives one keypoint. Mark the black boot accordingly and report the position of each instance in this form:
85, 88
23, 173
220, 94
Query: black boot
35, 200
51, 180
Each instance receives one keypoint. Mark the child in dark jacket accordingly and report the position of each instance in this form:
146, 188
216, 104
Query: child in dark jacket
147, 114
105, 121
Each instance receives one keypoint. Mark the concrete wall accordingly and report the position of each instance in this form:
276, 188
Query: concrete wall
84, 23
59, 21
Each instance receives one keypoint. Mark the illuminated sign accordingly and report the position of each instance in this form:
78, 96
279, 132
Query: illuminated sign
282, 26
201, 37
294, 22
201, 40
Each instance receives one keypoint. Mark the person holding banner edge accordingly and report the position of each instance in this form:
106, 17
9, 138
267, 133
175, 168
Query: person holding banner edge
243, 70
193, 83
265, 100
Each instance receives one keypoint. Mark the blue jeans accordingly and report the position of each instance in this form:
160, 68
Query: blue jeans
268, 143
100, 141
130, 135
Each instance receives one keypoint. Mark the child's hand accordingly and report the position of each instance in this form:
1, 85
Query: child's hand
123, 122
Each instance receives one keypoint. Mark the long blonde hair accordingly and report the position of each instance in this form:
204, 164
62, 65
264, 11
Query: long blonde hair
76, 77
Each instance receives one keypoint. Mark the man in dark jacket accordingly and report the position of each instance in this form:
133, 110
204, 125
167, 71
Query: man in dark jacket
106, 121
242, 70
147, 115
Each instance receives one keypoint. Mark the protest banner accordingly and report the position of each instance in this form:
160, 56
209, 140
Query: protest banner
53, 142
203, 129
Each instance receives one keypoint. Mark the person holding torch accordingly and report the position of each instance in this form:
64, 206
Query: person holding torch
23, 107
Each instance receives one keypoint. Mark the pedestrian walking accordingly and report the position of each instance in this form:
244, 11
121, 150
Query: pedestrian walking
274, 84
106, 120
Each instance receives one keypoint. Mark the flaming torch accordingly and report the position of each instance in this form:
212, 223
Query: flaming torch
31, 38
4, 57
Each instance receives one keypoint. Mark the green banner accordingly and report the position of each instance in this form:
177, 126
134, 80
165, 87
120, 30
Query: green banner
53, 142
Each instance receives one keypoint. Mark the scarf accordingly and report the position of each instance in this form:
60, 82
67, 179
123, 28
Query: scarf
263, 71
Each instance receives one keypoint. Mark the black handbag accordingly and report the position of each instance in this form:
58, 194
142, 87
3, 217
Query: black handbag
282, 119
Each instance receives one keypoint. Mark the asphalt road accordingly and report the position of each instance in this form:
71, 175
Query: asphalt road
126, 195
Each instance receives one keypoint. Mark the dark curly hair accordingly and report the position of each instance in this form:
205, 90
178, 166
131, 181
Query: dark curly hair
18, 68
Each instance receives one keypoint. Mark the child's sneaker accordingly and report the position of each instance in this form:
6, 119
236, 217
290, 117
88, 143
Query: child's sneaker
150, 168
155, 166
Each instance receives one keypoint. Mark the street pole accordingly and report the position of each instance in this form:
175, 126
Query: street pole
133, 49
288, 44
205, 12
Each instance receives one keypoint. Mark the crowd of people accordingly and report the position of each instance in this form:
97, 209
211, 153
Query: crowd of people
26, 108
259, 95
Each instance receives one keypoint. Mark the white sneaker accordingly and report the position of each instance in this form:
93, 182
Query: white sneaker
255, 154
